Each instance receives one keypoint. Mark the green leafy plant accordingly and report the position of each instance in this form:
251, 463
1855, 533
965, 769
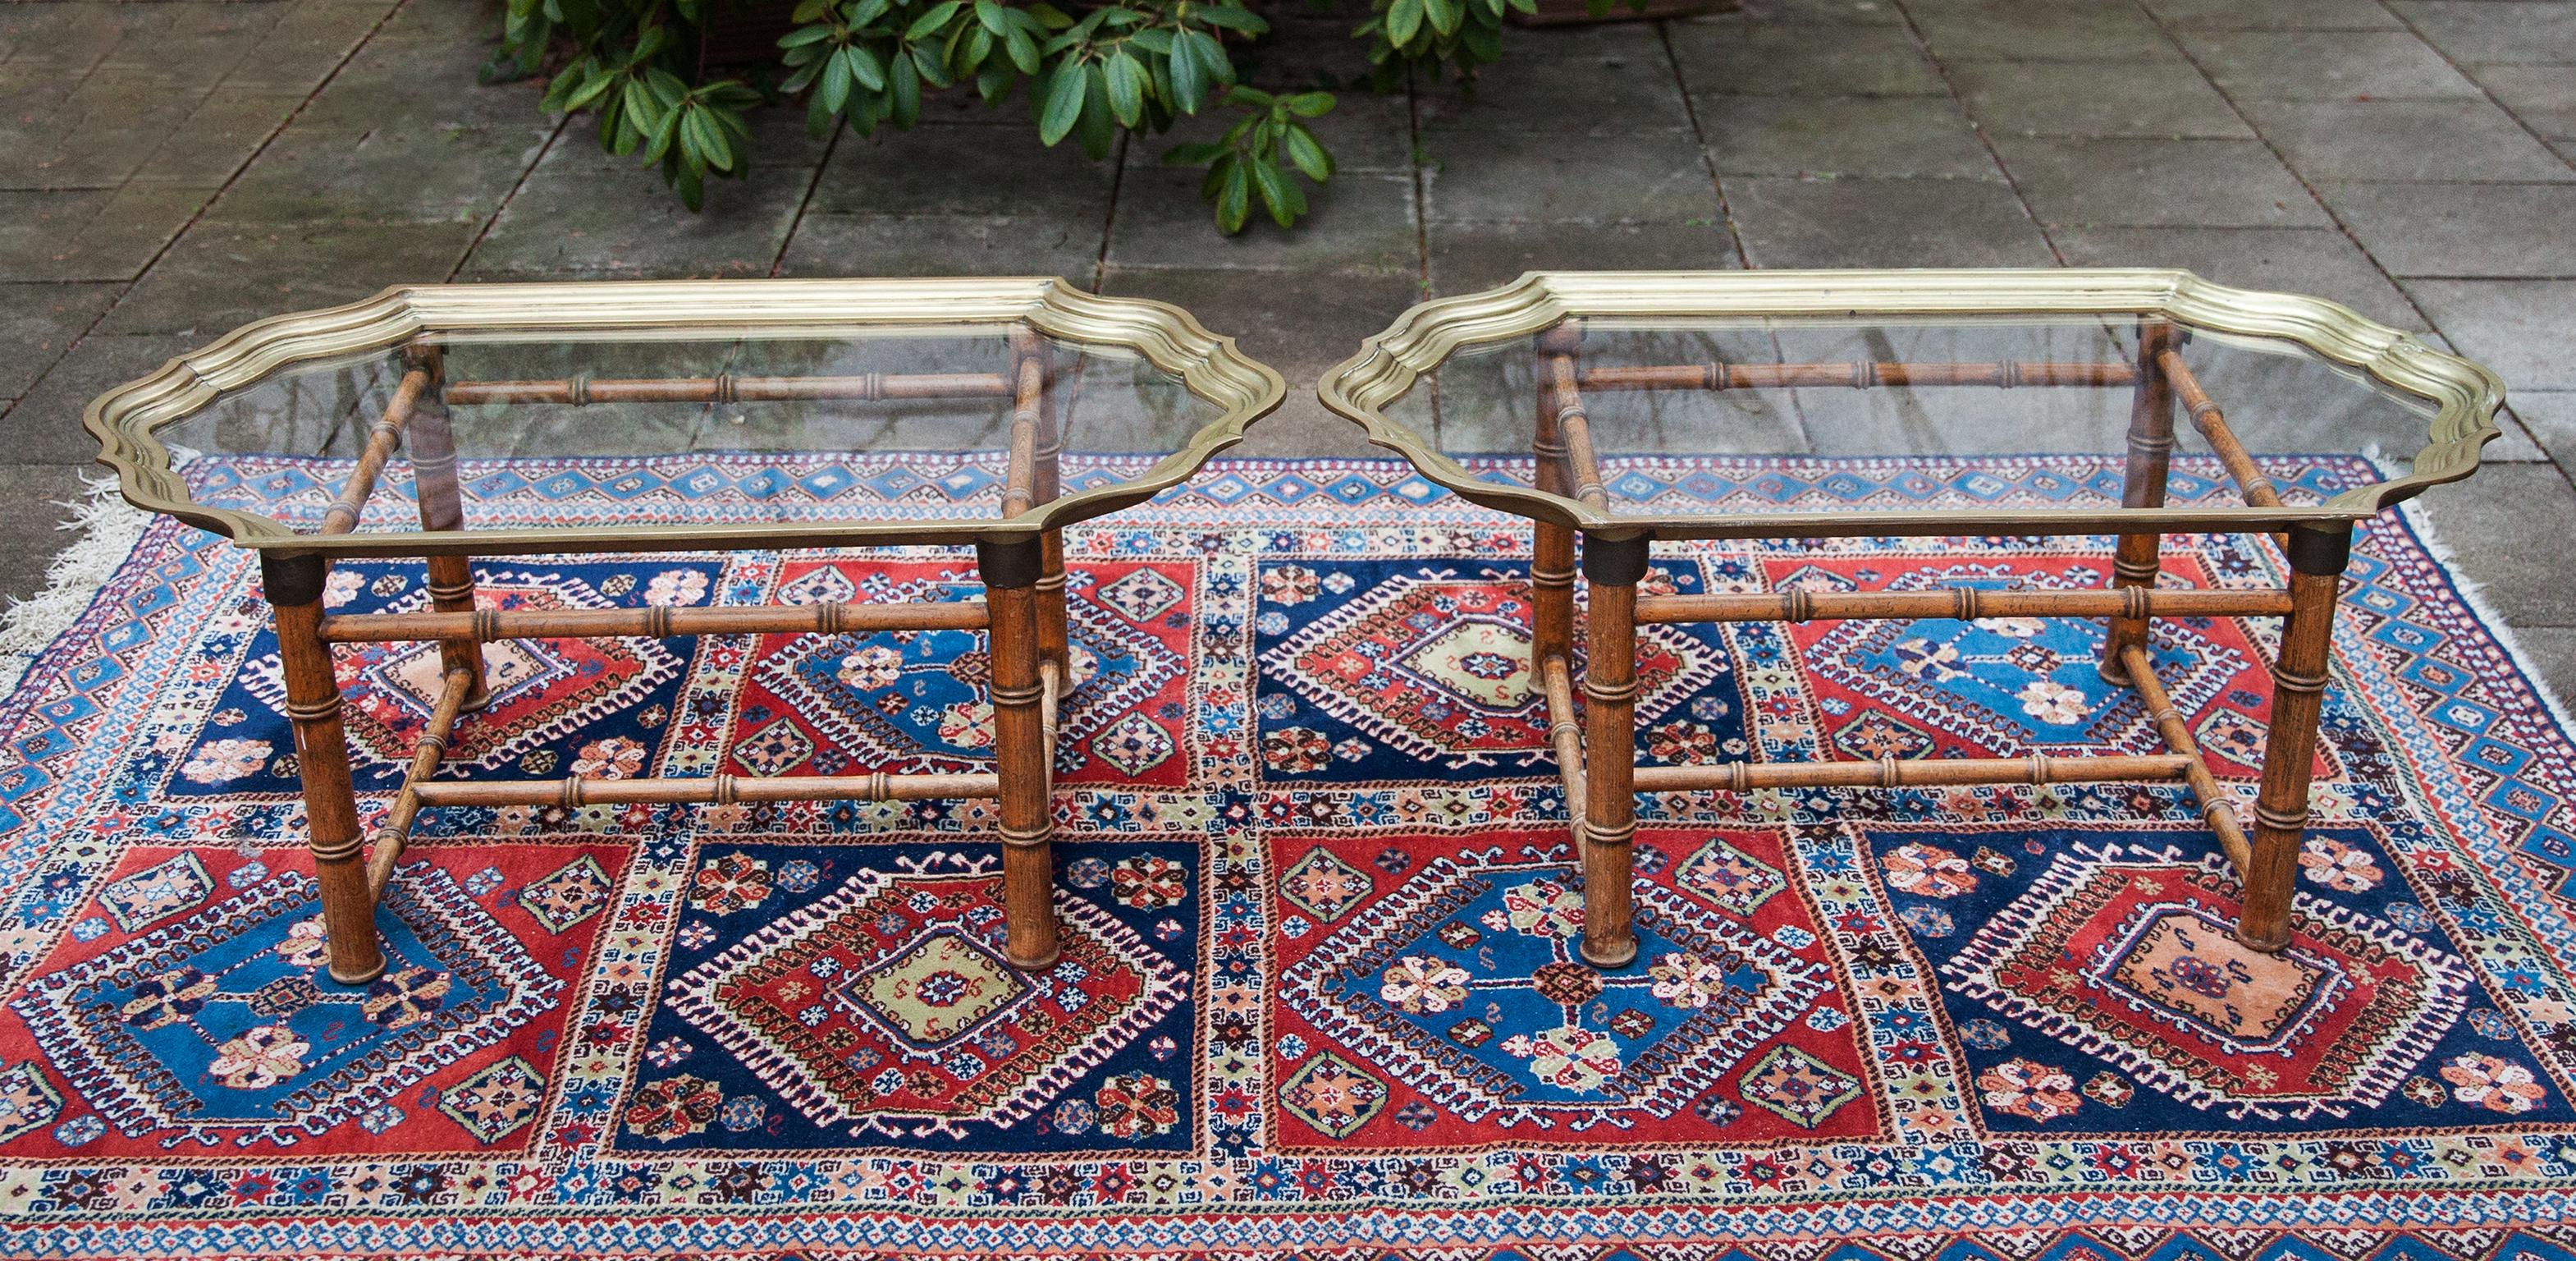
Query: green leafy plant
1089, 73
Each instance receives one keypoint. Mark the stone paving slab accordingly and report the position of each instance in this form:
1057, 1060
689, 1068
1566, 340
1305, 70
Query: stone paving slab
170, 170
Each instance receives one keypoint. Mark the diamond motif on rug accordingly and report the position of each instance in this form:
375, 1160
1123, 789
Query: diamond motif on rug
885, 1006
1794, 1085
2135, 959
184, 1030
1439, 667
2009, 683
1465, 984
542, 689
919, 698
496, 1101
139, 900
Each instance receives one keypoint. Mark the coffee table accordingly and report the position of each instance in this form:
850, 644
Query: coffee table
1549, 398
995, 412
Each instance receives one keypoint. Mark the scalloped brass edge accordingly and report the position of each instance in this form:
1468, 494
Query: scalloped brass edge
2465, 395
124, 419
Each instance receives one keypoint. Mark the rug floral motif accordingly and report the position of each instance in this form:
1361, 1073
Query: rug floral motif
1319, 994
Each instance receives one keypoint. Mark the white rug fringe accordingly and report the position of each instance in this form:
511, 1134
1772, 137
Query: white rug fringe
108, 529
2487, 615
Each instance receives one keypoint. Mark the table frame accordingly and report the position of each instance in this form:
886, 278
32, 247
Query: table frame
1019, 556
1595, 746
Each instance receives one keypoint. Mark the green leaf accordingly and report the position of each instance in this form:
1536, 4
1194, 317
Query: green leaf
833, 89
864, 67
1063, 103
930, 21
1309, 155
906, 85
1444, 14
665, 133
1023, 50
1126, 82
1211, 55
1274, 193
706, 140
666, 86
1153, 40
927, 64
640, 104
596, 88
1403, 21
1189, 81
818, 120
869, 11
1234, 200
1310, 104
804, 35
1194, 154
1096, 129
1231, 17
994, 17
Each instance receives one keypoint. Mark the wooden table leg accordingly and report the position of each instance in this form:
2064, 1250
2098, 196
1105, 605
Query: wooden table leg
1011, 572
2318, 554
294, 588
2151, 444
1551, 545
432, 443
1612, 568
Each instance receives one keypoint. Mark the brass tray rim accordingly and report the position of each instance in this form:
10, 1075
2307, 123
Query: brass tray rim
2465, 395
124, 420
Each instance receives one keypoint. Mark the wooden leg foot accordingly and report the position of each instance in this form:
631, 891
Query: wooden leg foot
294, 588
1020, 754
1613, 568
2317, 559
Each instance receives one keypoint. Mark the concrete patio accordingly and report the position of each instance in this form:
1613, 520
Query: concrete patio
170, 170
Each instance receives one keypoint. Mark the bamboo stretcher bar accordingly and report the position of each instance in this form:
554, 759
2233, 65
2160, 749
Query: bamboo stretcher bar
1963, 603
391, 839
717, 790
728, 388
1565, 733
2214, 805
387, 431
2257, 489
1575, 426
2037, 768
1021, 481
1862, 374
658, 621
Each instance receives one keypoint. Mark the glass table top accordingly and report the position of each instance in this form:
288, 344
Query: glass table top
933, 429
1707, 420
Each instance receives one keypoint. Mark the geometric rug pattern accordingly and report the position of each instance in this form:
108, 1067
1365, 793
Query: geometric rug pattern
1319, 995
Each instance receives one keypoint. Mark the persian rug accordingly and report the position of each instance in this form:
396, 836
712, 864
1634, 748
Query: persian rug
1318, 997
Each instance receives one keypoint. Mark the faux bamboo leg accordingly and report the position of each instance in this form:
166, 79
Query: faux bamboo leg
1612, 567
294, 587
1055, 637
2317, 558
1020, 755
451, 578
1552, 545
2151, 442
